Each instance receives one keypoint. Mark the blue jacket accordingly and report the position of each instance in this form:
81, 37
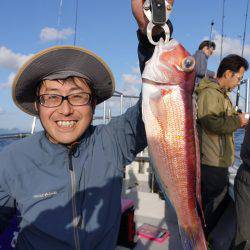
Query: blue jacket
201, 66
70, 199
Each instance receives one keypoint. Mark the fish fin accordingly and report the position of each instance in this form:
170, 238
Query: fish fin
158, 108
192, 240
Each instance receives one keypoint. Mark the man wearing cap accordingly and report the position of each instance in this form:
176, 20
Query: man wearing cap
66, 181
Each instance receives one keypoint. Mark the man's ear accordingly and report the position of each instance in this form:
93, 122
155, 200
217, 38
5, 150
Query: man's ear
228, 73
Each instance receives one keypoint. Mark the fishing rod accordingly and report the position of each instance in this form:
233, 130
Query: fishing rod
211, 32
59, 14
210, 38
59, 17
242, 53
76, 19
222, 29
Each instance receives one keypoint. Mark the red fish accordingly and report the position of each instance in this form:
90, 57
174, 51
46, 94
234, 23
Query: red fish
169, 117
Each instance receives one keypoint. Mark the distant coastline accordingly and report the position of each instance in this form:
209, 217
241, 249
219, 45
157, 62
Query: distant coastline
4, 131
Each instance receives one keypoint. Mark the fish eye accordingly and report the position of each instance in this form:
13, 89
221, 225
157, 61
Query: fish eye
188, 64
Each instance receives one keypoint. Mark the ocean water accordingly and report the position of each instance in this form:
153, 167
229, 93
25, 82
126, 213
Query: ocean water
238, 139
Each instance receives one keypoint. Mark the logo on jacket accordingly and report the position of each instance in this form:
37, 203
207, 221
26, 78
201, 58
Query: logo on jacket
45, 195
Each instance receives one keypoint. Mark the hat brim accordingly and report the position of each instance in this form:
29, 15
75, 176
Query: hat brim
56, 59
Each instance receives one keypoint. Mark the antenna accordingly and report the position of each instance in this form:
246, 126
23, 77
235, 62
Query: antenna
76, 19
242, 53
222, 29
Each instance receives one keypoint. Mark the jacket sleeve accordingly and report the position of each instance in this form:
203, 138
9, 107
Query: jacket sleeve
7, 210
212, 116
129, 127
129, 132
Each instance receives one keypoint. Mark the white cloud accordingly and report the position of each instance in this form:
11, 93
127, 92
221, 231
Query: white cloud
9, 82
51, 34
132, 82
230, 46
130, 90
131, 78
136, 70
11, 60
1, 111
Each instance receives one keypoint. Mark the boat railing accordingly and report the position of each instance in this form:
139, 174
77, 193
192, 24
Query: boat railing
120, 102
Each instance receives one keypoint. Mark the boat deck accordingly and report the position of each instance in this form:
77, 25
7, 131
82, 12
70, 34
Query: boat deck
222, 235
149, 208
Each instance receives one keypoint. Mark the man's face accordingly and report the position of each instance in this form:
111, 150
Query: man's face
208, 51
234, 79
65, 123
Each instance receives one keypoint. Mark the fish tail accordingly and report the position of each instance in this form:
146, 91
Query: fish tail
192, 240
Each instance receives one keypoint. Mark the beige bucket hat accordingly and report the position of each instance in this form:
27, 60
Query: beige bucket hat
60, 62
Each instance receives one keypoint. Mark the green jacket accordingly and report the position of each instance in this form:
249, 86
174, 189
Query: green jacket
217, 120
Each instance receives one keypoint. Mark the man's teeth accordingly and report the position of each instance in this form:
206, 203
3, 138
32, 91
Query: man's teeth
66, 123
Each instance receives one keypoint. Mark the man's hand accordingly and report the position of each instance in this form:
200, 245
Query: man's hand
244, 119
137, 9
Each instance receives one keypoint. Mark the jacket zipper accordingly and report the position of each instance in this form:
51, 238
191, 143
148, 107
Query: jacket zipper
74, 211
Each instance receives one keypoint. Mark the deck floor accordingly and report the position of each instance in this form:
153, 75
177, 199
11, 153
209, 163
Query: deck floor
222, 235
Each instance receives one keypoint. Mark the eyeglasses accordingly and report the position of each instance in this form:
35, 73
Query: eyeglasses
239, 78
53, 100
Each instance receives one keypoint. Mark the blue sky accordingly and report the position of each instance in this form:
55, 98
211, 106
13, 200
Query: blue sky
108, 29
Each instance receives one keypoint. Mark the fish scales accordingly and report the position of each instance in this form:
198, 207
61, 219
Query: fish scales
168, 114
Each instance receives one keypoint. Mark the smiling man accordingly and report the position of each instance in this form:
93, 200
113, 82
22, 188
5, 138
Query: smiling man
66, 181
65, 108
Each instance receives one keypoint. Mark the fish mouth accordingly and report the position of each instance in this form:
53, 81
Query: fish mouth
144, 80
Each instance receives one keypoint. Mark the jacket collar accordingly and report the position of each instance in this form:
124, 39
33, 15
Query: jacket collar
55, 149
